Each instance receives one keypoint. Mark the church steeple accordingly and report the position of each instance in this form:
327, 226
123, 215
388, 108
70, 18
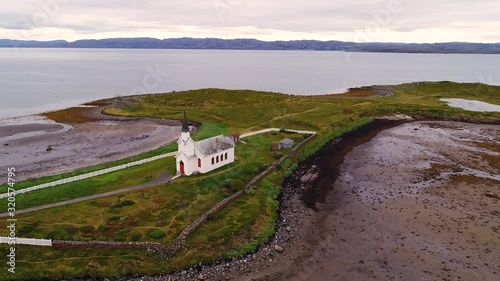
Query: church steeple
185, 125
186, 144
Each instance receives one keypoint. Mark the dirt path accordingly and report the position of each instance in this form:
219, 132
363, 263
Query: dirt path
163, 178
280, 117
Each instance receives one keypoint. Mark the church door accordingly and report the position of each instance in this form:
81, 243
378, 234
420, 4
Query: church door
181, 167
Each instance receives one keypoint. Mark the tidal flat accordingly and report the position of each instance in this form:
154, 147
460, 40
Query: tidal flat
410, 204
40, 147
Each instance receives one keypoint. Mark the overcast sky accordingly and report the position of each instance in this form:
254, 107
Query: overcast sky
352, 20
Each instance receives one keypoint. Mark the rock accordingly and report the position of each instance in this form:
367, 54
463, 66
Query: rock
492, 195
201, 277
278, 248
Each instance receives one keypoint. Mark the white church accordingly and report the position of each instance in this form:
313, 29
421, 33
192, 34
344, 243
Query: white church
202, 156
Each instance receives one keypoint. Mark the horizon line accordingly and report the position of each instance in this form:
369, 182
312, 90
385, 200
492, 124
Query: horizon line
236, 38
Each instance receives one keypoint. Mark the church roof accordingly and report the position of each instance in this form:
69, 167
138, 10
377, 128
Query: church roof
209, 146
185, 125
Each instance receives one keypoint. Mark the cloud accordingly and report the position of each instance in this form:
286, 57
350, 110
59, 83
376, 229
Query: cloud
354, 20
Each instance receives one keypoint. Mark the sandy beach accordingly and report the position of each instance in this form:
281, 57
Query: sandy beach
37, 146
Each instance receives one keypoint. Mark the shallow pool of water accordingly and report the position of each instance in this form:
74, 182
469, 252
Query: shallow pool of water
473, 105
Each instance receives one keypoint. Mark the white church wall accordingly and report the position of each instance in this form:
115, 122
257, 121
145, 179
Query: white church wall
207, 165
190, 155
189, 164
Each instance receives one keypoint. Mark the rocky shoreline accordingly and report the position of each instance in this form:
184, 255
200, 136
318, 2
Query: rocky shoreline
300, 245
297, 214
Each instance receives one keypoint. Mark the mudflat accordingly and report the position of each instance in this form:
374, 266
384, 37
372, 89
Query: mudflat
39, 147
410, 204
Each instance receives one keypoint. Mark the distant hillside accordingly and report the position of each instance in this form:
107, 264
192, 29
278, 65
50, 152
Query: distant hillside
252, 44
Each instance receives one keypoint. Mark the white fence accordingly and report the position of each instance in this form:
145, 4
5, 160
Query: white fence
140, 162
90, 175
27, 241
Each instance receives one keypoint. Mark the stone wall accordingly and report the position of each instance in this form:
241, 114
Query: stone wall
181, 240
163, 250
149, 246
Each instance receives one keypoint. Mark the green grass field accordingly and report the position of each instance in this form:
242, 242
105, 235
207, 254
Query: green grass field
244, 110
33, 182
161, 212
155, 214
206, 130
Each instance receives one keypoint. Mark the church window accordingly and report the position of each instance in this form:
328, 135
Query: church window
217, 158
212, 160
226, 156
199, 163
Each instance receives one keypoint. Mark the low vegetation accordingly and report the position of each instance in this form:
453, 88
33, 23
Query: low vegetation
156, 214
159, 213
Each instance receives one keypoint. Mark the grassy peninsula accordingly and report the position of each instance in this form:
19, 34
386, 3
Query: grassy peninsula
159, 213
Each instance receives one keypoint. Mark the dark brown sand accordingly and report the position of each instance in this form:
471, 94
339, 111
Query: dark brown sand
408, 205
12, 130
383, 203
39, 148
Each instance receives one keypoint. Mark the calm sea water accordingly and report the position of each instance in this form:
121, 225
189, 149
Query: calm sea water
37, 80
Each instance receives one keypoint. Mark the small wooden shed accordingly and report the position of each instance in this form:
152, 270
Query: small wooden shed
286, 143
275, 146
